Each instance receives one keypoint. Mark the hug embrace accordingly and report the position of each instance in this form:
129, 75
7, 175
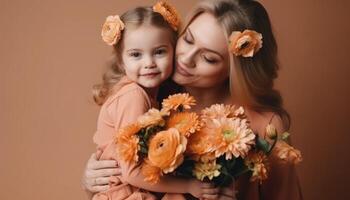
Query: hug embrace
189, 110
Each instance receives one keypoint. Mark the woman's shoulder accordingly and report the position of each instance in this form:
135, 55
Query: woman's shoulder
260, 120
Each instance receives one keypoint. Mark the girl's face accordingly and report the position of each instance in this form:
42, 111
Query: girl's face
147, 55
202, 58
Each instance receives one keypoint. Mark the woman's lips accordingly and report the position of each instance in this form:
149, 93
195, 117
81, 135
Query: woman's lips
181, 70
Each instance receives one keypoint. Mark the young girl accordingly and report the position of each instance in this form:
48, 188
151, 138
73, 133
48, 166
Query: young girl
144, 40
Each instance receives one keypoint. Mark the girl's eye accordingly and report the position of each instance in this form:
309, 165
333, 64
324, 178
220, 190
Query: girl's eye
160, 51
210, 60
135, 54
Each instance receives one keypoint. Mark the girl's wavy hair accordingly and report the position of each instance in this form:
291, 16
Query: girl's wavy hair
251, 79
132, 19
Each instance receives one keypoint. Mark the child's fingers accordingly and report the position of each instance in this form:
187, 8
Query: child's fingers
210, 190
210, 196
207, 185
102, 181
99, 188
102, 164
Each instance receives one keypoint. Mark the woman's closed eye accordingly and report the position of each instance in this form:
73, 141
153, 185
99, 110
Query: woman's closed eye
187, 38
210, 60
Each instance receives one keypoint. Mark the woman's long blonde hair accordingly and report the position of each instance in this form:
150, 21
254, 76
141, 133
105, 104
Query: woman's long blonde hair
251, 79
132, 19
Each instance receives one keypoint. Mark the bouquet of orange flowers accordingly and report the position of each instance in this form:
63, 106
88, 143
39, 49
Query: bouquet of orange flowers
159, 138
226, 147
216, 145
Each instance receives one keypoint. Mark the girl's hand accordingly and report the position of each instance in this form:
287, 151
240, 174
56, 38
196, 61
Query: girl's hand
97, 173
203, 190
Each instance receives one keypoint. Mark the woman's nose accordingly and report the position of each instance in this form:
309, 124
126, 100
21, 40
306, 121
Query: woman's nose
188, 58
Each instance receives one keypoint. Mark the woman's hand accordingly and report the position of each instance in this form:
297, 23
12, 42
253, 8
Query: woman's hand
228, 193
203, 190
97, 173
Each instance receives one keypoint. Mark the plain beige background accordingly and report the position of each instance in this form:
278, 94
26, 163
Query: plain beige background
51, 54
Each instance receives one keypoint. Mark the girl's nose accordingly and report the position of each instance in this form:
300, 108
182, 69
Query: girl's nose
149, 62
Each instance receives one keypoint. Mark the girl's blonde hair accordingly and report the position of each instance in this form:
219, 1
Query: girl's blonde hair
251, 79
132, 19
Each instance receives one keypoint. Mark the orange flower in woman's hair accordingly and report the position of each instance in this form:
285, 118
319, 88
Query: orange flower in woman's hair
173, 102
245, 44
257, 163
166, 150
152, 174
127, 143
185, 122
169, 13
112, 30
151, 117
287, 153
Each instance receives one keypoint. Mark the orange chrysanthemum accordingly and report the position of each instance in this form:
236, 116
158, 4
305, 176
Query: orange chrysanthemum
287, 153
186, 123
152, 174
235, 135
175, 101
207, 169
217, 111
257, 163
245, 44
166, 150
127, 143
169, 13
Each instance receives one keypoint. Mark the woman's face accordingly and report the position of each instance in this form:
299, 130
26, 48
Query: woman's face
202, 58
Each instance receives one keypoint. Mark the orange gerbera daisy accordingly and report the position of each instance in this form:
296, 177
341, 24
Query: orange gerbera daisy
202, 142
257, 163
236, 137
169, 13
185, 122
217, 111
287, 153
127, 143
166, 150
175, 101
152, 174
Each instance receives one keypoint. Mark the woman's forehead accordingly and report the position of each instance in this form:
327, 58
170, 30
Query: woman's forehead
208, 33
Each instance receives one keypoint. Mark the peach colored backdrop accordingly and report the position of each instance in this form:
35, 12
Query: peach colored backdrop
51, 54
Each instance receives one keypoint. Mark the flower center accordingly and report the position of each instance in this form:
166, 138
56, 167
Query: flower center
229, 134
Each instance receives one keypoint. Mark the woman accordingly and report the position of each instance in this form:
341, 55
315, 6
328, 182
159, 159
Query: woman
209, 71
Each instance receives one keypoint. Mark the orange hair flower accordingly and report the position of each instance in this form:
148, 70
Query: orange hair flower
112, 30
173, 102
257, 163
127, 143
166, 150
245, 44
186, 123
169, 13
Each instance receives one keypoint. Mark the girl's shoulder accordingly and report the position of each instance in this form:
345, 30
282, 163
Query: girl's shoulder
127, 91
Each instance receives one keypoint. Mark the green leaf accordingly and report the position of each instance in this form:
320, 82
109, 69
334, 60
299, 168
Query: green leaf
263, 145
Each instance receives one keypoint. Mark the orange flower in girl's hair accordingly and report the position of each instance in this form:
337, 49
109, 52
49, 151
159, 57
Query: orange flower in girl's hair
166, 150
287, 153
185, 122
169, 13
173, 102
127, 143
245, 44
112, 30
